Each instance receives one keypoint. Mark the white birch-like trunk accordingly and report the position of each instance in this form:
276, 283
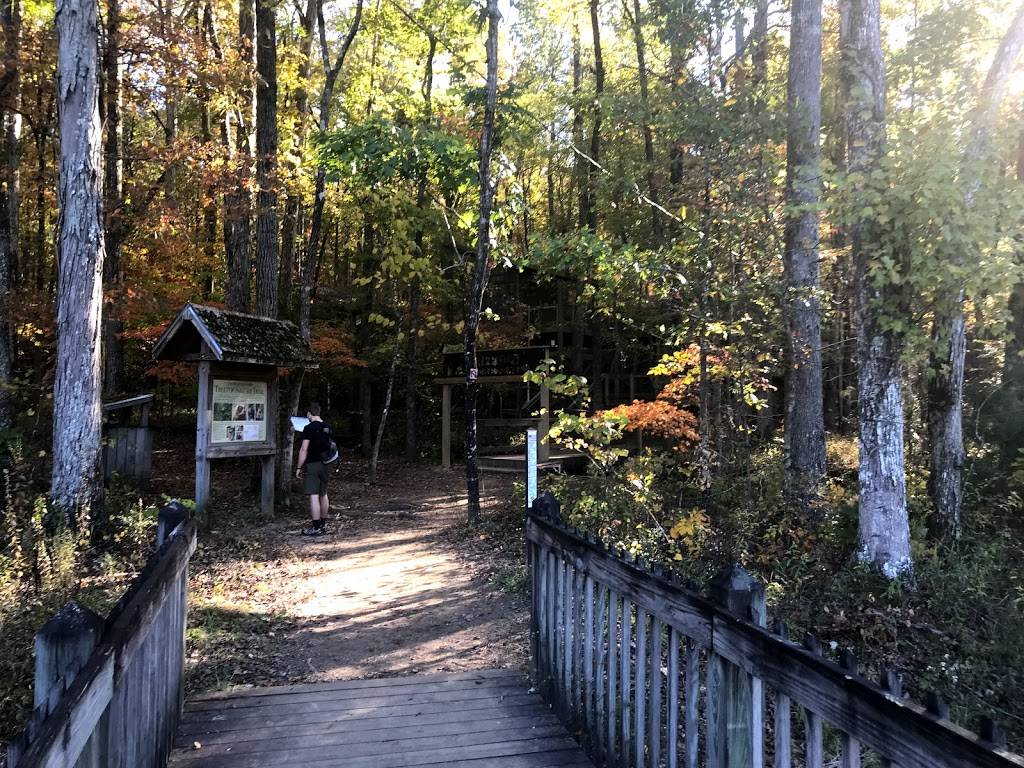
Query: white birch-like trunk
949, 333
77, 381
884, 529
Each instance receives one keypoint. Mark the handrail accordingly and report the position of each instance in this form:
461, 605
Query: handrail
619, 649
118, 706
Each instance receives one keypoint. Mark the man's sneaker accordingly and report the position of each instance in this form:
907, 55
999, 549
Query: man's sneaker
312, 530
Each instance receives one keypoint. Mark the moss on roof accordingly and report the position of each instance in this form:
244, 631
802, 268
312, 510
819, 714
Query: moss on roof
235, 337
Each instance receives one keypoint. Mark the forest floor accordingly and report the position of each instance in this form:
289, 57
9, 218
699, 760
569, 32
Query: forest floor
400, 584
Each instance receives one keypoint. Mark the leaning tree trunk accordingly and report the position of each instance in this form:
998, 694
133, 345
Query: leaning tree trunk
805, 420
949, 334
311, 255
884, 529
267, 246
77, 380
238, 203
474, 300
10, 124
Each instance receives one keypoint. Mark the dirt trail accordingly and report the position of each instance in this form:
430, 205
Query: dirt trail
397, 587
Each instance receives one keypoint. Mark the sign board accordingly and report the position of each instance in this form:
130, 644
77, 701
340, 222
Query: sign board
239, 411
531, 467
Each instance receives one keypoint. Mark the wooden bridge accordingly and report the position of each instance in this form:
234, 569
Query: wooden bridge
629, 669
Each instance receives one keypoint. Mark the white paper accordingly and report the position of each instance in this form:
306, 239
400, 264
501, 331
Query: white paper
299, 423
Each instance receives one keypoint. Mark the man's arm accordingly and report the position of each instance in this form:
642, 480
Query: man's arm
303, 450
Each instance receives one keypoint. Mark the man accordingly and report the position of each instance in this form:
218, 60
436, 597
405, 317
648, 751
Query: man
314, 451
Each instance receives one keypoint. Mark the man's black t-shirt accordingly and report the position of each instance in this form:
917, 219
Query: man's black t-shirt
319, 436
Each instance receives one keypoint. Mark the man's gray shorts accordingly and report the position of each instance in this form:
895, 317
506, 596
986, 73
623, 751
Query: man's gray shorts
314, 481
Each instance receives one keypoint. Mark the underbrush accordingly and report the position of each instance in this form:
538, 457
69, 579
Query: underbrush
47, 560
956, 629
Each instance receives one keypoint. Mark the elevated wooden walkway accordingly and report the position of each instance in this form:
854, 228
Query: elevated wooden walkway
484, 719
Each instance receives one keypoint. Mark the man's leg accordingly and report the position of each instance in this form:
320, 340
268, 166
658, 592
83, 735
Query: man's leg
314, 507
325, 506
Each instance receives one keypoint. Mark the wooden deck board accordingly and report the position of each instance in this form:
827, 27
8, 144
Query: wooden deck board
488, 719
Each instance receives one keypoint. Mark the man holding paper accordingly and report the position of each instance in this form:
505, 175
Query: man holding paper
317, 452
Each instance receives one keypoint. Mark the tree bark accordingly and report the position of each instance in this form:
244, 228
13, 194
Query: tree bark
946, 374
884, 529
267, 245
805, 420
475, 298
10, 124
238, 203
77, 380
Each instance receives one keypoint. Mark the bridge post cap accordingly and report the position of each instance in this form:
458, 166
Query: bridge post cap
547, 505
173, 511
72, 620
738, 591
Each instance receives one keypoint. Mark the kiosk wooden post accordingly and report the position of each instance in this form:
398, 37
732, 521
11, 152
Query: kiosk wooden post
239, 358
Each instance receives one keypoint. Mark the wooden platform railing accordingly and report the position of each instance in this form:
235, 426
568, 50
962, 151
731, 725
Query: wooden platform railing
108, 693
652, 674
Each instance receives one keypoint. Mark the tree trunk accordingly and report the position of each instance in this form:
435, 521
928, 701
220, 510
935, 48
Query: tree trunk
595, 133
805, 421
884, 529
1013, 362
648, 133
582, 166
113, 193
375, 455
267, 246
475, 298
946, 375
411, 363
238, 204
77, 379
10, 17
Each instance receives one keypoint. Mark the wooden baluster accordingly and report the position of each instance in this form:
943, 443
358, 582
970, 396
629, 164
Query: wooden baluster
640, 698
891, 684
540, 576
626, 678
814, 750
672, 704
553, 621
850, 757
602, 639
654, 705
577, 651
692, 682
588, 654
561, 633
735, 701
612, 712
570, 642
783, 718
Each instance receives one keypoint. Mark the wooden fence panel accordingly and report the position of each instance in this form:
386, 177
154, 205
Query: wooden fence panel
121, 708
627, 698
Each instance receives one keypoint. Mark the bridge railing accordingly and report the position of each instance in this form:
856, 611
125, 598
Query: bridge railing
108, 692
653, 674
